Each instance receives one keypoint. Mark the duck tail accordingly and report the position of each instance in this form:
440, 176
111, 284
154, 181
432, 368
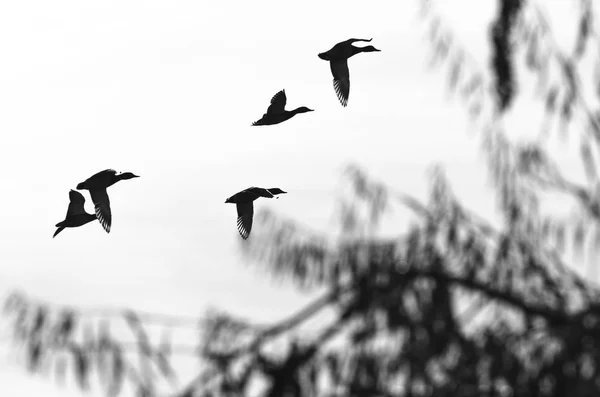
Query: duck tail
60, 229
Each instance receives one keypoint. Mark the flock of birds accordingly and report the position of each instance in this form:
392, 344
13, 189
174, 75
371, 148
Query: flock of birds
276, 113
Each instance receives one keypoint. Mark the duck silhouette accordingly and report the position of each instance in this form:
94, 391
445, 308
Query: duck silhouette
97, 185
338, 62
276, 112
245, 207
76, 214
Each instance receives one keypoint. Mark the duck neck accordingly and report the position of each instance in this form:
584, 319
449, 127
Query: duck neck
114, 179
355, 50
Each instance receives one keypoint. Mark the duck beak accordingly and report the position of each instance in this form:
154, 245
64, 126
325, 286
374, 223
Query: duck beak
136, 176
322, 56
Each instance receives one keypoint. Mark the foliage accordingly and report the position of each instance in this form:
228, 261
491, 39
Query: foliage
451, 307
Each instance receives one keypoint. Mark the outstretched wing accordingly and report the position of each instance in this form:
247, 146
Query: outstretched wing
261, 192
341, 80
277, 103
350, 41
99, 178
103, 174
102, 207
257, 192
76, 202
244, 221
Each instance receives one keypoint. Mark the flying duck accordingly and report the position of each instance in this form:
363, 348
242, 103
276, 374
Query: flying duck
245, 208
76, 214
97, 185
276, 112
338, 62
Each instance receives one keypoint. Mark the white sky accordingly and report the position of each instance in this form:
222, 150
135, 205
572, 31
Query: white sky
167, 90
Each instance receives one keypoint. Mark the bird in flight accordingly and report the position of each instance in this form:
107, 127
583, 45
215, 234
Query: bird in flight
97, 185
76, 214
276, 112
245, 207
338, 62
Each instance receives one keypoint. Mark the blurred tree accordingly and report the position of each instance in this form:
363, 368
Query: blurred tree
452, 307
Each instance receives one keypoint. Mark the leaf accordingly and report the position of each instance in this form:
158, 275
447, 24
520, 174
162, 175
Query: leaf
118, 373
546, 228
559, 235
571, 75
313, 379
34, 354
551, 97
594, 125
82, 367
39, 322
588, 161
332, 364
104, 351
451, 236
532, 56
469, 88
443, 47
138, 330
579, 238
20, 327
132, 319
455, 72
503, 249
583, 34
13, 302
65, 327
165, 367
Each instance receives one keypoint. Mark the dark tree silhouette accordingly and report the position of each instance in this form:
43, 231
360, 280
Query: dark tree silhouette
452, 307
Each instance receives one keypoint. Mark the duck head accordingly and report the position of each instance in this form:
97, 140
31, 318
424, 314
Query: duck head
128, 175
303, 109
275, 191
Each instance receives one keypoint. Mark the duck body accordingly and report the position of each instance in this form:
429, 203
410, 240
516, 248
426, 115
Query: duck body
245, 207
275, 118
97, 185
104, 179
338, 57
76, 214
276, 112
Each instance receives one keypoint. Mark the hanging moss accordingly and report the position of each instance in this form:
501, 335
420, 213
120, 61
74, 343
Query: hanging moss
502, 52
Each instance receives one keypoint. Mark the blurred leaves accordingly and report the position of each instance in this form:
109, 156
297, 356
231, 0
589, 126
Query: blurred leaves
59, 339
